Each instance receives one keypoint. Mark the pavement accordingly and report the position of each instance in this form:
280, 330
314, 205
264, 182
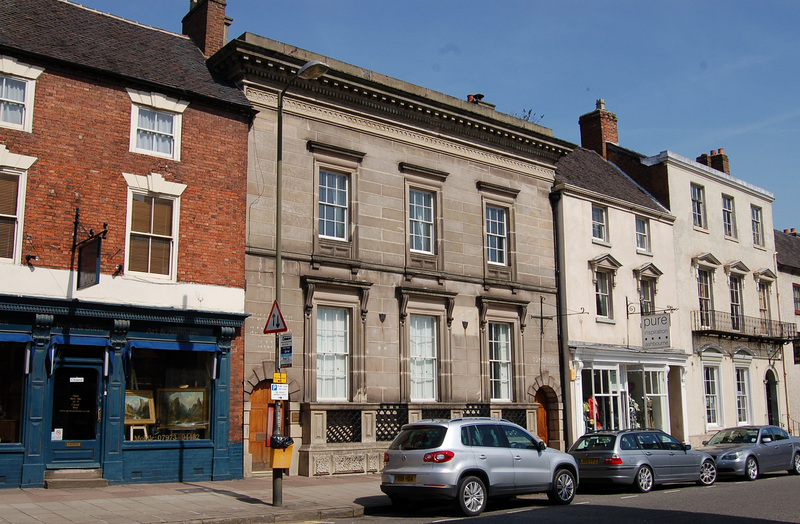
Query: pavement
244, 501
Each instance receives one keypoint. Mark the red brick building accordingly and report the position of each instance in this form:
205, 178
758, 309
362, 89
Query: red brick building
123, 168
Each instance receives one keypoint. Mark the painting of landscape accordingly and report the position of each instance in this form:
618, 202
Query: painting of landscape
139, 407
182, 408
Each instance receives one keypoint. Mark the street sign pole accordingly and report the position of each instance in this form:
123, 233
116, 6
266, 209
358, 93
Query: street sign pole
277, 473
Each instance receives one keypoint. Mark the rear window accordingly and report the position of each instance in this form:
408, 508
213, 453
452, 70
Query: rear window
595, 442
421, 437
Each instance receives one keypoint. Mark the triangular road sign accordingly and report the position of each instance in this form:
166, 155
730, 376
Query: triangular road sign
275, 322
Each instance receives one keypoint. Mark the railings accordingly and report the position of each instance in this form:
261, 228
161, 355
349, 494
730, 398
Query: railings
722, 323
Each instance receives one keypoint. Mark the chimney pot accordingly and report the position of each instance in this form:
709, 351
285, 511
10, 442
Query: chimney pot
794, 230
721, 151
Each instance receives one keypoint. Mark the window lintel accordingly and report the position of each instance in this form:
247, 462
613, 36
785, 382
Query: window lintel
348, 154
488, 187
435, 174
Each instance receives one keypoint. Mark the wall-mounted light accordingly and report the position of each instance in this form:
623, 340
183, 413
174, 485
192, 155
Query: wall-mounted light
29, 257
119, 268
464, 323
382, 317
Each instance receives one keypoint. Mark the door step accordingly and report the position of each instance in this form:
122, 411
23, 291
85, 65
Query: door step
74, 478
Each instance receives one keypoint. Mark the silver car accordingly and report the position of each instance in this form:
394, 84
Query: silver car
752, 450
641, 458
472, 459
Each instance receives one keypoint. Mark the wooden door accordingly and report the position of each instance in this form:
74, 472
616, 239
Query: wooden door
262, 415
541, 416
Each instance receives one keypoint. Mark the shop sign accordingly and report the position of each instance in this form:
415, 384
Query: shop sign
655, 331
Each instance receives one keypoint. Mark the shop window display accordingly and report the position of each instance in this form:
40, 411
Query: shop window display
168, 395
11, 380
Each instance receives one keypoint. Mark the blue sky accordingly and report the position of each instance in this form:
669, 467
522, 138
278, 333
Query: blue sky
687, 76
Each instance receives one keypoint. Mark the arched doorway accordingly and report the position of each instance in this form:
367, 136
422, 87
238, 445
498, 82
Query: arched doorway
542, 427
771, 383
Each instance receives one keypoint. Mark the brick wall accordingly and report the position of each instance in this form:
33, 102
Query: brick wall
81, 133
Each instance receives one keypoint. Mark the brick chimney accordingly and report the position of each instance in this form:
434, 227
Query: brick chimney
716, 160
207, 25
598, 128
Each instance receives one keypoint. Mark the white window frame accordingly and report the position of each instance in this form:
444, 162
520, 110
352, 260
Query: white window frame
608, 387
333, 350
711, 393
16, 166
698, 195
736, 283
500, 356
15, 70
796, 297
599, 223
729, 216
497, 235
757, 221
422, 223
742, 379
323, 204
604, 282
647, 296
643, 234
154, 185
705, 296
764, 310
423, 355
161, 104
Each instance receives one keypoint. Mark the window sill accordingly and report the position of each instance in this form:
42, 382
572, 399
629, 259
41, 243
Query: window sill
605, 320
174, 158
644, 252
601, 242
732, 239
700, 229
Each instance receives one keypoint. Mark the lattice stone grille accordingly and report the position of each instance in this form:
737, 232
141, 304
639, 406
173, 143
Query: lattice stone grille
436, 413
477, 410
390, 418
343, 426
517, 416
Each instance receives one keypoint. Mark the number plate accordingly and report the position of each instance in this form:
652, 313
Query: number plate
404, 478
589, 461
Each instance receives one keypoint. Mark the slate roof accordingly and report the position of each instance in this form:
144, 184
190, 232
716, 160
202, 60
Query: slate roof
787, 246
587, 170
67, 32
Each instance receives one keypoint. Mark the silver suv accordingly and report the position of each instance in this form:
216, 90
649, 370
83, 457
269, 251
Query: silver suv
471, 459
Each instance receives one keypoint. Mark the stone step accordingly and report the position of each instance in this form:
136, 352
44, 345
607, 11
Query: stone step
74, 478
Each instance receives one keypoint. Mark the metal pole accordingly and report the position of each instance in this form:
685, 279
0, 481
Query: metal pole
277, 473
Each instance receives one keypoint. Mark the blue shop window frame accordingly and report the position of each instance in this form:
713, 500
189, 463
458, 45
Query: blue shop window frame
12, 454
187, 460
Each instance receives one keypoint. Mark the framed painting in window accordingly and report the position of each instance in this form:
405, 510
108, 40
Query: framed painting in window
139, 408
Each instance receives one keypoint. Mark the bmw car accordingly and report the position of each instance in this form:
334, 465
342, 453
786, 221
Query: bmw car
749, 451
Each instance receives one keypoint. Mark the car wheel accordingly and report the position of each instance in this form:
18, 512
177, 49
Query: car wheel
795, 465
751, 468
644, 479
708, 473
563, 490
471, 496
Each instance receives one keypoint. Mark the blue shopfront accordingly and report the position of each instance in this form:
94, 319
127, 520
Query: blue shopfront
136, 394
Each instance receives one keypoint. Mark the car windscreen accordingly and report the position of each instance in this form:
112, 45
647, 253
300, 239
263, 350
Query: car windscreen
420, 437
595, 442
735, 436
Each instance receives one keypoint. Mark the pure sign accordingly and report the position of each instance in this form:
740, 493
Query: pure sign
655, 331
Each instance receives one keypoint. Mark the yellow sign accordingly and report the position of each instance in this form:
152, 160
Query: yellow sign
279, 378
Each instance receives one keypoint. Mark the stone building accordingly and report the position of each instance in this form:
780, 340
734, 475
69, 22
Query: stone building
417, 259
122, 219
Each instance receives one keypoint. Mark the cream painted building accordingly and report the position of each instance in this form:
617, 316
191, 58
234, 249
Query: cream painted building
726, 277
417, 260
617, 270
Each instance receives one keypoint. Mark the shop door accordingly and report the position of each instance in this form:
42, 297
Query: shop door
76, 415
542, 430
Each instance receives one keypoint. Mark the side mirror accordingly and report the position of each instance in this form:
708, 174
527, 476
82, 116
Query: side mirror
766, 440
705, 443
687, 447
542, 445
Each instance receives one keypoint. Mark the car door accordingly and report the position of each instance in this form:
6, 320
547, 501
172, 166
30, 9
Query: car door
657, 456
532, 469
784, 450
768, 458
493, 456
684, 465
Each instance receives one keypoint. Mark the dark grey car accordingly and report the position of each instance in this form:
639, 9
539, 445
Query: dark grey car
641, 458
752, 450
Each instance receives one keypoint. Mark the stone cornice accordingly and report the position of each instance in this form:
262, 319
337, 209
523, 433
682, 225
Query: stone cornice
379, 127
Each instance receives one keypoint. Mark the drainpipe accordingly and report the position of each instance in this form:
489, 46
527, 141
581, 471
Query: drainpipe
561, 326
783, 347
